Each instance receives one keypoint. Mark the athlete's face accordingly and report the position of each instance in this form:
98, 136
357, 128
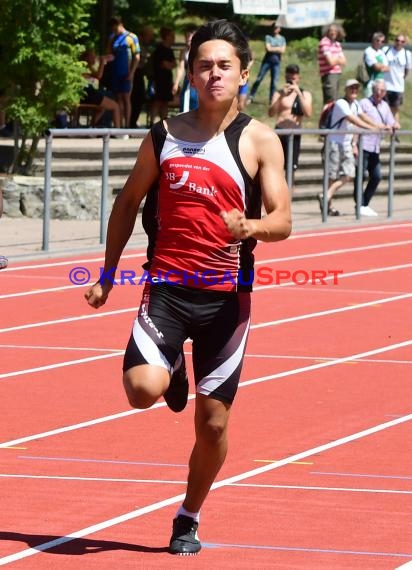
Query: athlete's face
216, 71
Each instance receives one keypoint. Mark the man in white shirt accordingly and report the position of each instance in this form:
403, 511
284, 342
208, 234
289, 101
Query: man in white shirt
400, 62
343, 149
375, 60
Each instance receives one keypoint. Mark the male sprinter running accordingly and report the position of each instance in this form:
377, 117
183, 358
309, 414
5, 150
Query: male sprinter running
203, 174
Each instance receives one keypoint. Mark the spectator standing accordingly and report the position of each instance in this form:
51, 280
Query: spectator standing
291, 105
379, 111
343, 148
187, 95
125, 48
375, 61
143, 75
164, 62
331, 60
399, 62
275, 45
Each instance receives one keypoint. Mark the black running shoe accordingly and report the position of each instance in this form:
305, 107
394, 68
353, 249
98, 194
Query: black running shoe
184, 540
178, 391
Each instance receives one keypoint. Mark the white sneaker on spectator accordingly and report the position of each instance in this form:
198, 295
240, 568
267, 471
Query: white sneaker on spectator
367, 211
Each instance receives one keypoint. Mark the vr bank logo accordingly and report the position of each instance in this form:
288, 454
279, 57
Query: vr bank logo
182, 181
192, 186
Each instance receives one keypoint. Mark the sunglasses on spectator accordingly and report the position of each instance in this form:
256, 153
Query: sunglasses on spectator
400, 41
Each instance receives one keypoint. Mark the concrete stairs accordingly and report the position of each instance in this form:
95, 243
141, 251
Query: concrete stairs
82, 158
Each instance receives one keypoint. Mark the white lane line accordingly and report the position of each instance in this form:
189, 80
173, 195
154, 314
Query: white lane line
317, 358
71, 261
94, 315
300, 235
41, 291
81, 425
292, 372
331, 311
406, 566
335, 252
253, 327
177, 482
339, 277
326, 364
75, 348
217, 485
137, 278
60, 364
100, 479
247, 355
339, 231
314, 488
258, 288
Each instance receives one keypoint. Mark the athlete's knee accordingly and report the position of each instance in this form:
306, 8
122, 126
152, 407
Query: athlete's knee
138, 398
144, 387
212, 430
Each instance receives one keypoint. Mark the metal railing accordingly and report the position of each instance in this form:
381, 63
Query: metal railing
106, 134
290, 133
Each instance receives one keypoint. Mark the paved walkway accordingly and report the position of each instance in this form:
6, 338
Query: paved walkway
21, 238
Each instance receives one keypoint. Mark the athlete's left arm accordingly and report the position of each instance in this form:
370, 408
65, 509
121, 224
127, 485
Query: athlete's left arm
265, 160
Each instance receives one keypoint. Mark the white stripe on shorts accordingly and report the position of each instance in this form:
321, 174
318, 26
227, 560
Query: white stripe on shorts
218, 376
148, 347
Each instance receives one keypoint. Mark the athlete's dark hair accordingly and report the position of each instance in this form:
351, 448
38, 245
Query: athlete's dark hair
220, 30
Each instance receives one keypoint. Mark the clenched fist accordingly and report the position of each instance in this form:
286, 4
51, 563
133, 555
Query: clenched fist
237, 224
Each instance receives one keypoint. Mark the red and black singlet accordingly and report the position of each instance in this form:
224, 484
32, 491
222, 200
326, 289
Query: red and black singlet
187, 237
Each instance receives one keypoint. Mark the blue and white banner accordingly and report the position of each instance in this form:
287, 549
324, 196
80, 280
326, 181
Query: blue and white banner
304, 14
261, 7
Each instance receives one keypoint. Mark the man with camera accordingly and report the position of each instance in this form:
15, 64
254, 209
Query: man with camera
290, 105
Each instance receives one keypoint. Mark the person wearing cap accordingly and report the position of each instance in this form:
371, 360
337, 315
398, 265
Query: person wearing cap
377, 109
275, 45
346, 114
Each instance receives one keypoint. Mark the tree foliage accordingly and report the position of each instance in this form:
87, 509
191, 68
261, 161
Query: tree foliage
41, 41
364, 17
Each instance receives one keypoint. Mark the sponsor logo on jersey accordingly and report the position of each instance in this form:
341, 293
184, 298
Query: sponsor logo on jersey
202, 189
191, 186
181, 182
193, 150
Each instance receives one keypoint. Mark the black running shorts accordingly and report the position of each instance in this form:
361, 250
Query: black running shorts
217, 322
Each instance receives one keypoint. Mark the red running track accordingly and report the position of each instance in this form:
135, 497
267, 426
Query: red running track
319, 473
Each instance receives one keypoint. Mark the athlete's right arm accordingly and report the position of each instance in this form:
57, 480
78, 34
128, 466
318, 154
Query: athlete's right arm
123, 217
